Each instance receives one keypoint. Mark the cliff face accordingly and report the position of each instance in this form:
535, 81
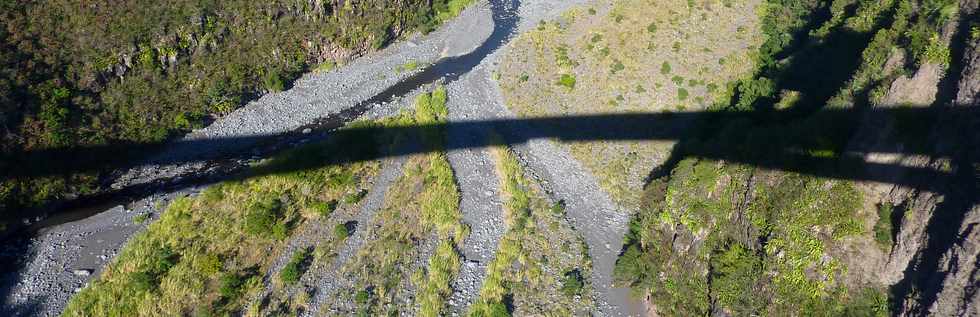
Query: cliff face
933, 266
877, 213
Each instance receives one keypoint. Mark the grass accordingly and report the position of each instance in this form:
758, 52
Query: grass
883, 227
537, 241
409, 66
567, 81
175, 64
205, 252
421, 204
796, 267
295, 268
590, 64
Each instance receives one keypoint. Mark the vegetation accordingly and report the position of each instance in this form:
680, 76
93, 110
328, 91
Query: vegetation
143, 71
295, 268
883, 227
769, 241
712, 235
590, 64
205, 253
421, 205
538, 240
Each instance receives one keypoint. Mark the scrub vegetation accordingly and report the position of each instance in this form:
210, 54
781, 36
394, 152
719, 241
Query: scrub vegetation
630, 56
420, 221
717, 237
540, 261
81, 73
208, 253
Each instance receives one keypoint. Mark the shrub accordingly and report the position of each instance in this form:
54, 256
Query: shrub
567, 81
883, 227
273, 81
340, 231
297, 265
682, 94
652, 28
262, 217
665, 68
572, 283
617, 66
355, 197
229, 285
324, 209
362, 297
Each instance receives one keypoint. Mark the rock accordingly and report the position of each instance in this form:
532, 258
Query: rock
82, 272
307, 130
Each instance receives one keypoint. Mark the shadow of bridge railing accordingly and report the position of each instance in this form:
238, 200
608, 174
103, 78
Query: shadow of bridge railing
806, 153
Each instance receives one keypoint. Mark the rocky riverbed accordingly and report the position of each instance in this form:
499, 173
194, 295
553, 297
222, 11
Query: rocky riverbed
63, 258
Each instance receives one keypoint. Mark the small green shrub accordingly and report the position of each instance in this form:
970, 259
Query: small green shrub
362, 297
262, 217
273, 81
229, 285
567, 81
340, 231
297, 265
682, 94
558, 208
883, 227
355, 197
652, 28
324, 209
572, 283
665, 68
141, 218
617, 66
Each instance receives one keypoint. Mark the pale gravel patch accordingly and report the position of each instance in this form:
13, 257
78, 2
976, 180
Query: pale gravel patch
480, 203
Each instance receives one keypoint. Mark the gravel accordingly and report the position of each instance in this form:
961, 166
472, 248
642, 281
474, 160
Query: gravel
327, 279
63, 259
48, 280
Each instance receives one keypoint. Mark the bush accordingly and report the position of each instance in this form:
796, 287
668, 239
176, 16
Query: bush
572, 283
355, 197
297, 265
362, 297
665, 68
883, 227
340, 231
324, 209
262, 217
229, 285
682, 94
567, 81
273, 81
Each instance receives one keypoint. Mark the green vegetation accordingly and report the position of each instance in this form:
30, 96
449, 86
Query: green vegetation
883, 227
144, 71
409, 66
205, 253
567, 80
422, 204
537, 241
340, 231
783, 245
295, 268
714, 235
587, 64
